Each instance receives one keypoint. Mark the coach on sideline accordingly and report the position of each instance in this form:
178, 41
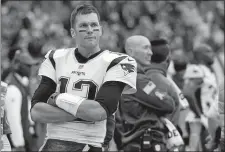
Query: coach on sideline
138, 114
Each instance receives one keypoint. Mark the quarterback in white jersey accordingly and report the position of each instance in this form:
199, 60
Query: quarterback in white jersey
81, 87
85, 80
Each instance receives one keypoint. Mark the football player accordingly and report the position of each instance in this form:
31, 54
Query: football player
81, 87
206, 95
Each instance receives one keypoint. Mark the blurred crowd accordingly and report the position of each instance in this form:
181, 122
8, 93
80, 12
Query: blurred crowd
37, 26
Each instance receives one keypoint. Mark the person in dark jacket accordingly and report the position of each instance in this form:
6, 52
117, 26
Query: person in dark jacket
137, 118
180, 63
157, 72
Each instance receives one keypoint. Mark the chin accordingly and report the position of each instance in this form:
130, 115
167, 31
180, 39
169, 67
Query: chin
91, 45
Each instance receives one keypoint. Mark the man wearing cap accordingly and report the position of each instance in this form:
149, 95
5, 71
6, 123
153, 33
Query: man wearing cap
157, 72
17, 103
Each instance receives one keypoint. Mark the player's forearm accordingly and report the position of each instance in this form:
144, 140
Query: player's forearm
80, 107
45, 113
91, 110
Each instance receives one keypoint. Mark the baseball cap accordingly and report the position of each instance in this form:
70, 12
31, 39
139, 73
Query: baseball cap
160, 50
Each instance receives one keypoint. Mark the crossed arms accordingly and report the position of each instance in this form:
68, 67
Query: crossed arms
104, 104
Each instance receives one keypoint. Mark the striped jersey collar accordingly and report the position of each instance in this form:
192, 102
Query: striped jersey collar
81, 59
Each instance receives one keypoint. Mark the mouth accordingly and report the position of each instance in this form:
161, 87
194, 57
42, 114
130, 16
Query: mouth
148, 58
90, 38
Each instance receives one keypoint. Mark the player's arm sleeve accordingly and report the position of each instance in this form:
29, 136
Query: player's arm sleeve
123, 69
46, 87
109, 95
48, 66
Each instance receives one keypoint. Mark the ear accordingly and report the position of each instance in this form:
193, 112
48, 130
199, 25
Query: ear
130, 52
73, 33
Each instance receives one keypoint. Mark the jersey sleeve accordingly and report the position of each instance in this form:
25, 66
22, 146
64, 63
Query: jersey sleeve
123, 69
47, 67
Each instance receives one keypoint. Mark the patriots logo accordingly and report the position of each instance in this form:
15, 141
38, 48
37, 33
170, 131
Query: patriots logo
160, 95
127, 68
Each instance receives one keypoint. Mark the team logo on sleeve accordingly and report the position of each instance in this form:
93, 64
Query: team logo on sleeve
160, 94
127, 68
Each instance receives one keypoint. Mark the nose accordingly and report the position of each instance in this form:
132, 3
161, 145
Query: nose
89, 29
150, 52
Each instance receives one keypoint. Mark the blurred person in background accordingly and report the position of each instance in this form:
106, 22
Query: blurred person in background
75, 101
17, 103
138, 120
195, 119
180, 62
202, 122
221, 112
5, 144
5, 73
205, 57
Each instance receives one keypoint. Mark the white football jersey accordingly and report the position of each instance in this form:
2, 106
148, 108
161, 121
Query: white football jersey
209, 91
85, 79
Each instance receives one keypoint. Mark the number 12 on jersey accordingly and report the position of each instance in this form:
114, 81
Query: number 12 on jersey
90, 90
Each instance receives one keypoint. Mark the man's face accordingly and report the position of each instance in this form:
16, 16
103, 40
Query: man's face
87, 30
24, 69
143, 52
206, 56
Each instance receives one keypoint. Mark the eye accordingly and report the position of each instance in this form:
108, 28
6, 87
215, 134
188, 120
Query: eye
94, 24
147, 47
83, 25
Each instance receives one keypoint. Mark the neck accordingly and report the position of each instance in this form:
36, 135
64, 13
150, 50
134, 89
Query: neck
140, 68
87, 52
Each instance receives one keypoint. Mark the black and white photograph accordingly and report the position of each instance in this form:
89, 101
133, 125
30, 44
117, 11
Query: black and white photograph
112, 76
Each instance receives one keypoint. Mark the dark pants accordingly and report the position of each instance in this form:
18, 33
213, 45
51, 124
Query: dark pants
60, 145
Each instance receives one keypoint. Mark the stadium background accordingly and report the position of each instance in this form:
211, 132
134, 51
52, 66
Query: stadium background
37, 26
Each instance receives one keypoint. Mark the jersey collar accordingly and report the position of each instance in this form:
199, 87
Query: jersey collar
81, 59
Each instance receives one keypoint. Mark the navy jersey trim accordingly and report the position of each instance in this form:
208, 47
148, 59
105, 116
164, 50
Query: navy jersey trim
51, 58
115, 62
81, 59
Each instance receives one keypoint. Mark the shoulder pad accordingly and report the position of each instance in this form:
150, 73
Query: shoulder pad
110, 56
58, 53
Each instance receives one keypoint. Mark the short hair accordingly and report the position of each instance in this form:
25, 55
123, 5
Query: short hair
82, 9
160, 50
159, 42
